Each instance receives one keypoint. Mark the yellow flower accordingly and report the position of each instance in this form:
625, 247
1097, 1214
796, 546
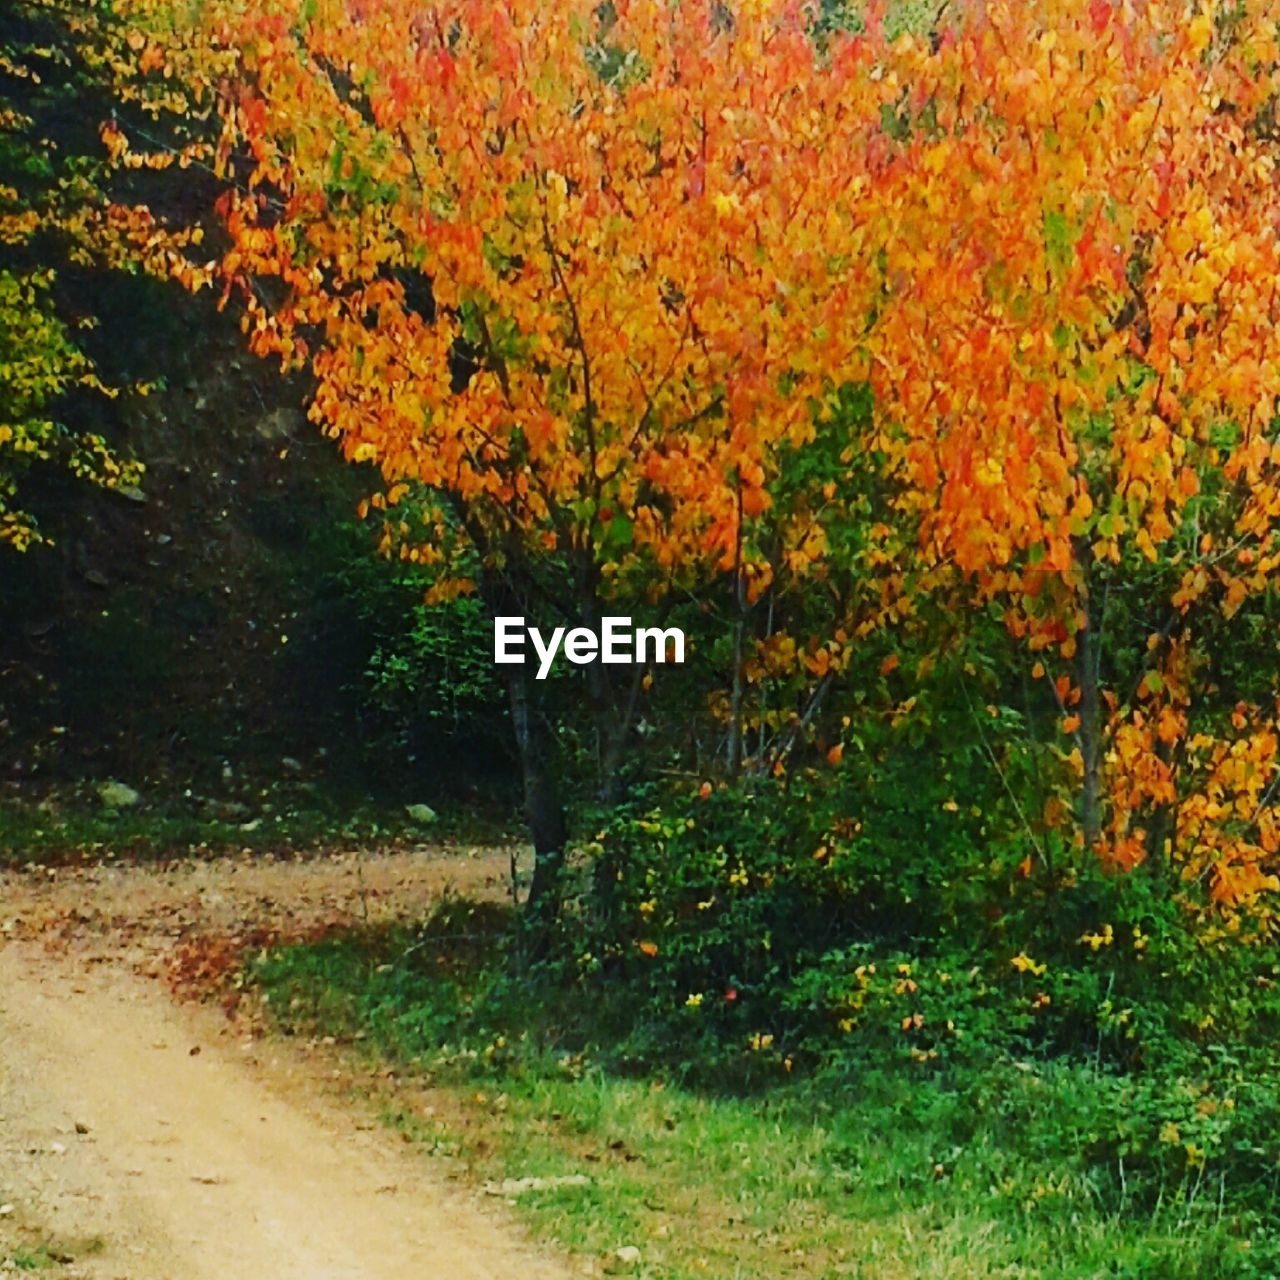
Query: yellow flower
694, 1001
1096, 940
1025, 964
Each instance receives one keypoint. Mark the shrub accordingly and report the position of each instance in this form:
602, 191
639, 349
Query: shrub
742, 917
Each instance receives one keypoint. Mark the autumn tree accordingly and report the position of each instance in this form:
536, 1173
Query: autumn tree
592, 286
561, 272
44, 181
1076, 370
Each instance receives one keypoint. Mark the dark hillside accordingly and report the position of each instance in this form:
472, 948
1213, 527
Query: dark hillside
211, 630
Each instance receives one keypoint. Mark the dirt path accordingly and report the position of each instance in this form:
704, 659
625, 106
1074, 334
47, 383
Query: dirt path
148, 1141
136, 914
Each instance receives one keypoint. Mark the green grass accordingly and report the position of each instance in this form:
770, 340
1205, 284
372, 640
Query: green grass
23, 1259
25, 1246
30, 836
82, 830
878, 1172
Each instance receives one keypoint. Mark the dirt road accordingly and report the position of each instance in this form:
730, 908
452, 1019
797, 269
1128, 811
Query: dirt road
141, 1139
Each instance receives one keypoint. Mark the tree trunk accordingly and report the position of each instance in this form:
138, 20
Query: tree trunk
1088, 658
543, 810
613, 717
733, 749
604, 713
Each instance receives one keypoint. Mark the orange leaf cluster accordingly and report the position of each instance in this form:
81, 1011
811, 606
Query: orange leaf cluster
586, 274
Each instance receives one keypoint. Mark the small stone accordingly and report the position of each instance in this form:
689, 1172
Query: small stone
291, 764
510, 1187
81, 1127
117, 795
281, 423
628, 1254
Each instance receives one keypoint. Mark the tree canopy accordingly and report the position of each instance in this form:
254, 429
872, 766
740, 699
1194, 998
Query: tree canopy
598, 288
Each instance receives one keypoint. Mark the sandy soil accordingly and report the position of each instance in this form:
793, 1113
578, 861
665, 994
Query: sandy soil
144, 1139
135, 913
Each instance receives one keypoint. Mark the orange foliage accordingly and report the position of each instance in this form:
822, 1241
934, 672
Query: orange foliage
584, 273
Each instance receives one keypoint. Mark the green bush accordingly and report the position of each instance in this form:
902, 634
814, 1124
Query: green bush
1168, 1151
764, 914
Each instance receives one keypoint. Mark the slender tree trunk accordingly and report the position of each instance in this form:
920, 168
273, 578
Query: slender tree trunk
543, 809
1161, 826
604, 713
1088, 658
614, 717
734, 746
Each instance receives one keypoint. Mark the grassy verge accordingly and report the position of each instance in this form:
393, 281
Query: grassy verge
26, 1246
79, 829
879, 1171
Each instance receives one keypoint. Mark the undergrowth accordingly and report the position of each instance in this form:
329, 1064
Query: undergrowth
73, 826
994, 1163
